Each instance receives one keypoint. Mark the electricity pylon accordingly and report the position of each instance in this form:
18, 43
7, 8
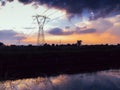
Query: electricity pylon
41, 22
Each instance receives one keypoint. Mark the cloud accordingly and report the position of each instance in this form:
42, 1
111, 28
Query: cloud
115, 30
10, 35
86, 31
95, 8
101, 25
3, 2
77, 30
101, 8
59, 31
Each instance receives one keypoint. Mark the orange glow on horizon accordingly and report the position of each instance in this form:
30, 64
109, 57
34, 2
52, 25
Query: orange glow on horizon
105, 38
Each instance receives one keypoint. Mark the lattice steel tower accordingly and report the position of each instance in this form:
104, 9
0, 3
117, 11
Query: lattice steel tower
41, 22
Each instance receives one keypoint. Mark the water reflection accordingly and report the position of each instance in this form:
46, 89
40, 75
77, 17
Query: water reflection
105, 80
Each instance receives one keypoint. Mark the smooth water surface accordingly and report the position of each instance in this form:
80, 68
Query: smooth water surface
104, 80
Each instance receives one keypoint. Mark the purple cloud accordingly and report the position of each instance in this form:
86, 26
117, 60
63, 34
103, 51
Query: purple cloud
58, 31
86, 31
10, 35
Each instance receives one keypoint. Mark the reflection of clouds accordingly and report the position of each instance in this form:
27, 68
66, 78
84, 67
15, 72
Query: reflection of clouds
112, 73
60, 82
105, 80
60, 79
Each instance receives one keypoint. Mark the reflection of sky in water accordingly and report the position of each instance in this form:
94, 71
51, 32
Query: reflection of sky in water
105, 80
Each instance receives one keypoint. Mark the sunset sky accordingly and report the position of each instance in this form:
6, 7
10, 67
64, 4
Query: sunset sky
92, 21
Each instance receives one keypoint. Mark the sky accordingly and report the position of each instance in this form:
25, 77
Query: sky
92, 21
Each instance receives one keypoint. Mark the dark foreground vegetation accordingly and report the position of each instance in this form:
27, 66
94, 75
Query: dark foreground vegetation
31, 61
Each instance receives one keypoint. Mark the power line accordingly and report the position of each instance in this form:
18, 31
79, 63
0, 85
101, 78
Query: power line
45, 11
53, 13
57, 18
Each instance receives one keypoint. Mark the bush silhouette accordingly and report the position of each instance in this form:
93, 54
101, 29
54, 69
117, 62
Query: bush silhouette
2, 44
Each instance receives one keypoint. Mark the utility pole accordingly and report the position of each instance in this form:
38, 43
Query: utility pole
19, 41
41, 22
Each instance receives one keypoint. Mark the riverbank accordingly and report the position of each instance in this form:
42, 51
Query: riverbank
32, 61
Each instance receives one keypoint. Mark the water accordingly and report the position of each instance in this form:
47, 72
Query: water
104, 80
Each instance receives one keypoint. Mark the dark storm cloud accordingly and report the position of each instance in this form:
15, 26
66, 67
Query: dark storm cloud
101, 8
27, 1
10, 35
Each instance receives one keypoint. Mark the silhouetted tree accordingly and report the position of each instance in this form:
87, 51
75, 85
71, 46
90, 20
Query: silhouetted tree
2, 44
79, 42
